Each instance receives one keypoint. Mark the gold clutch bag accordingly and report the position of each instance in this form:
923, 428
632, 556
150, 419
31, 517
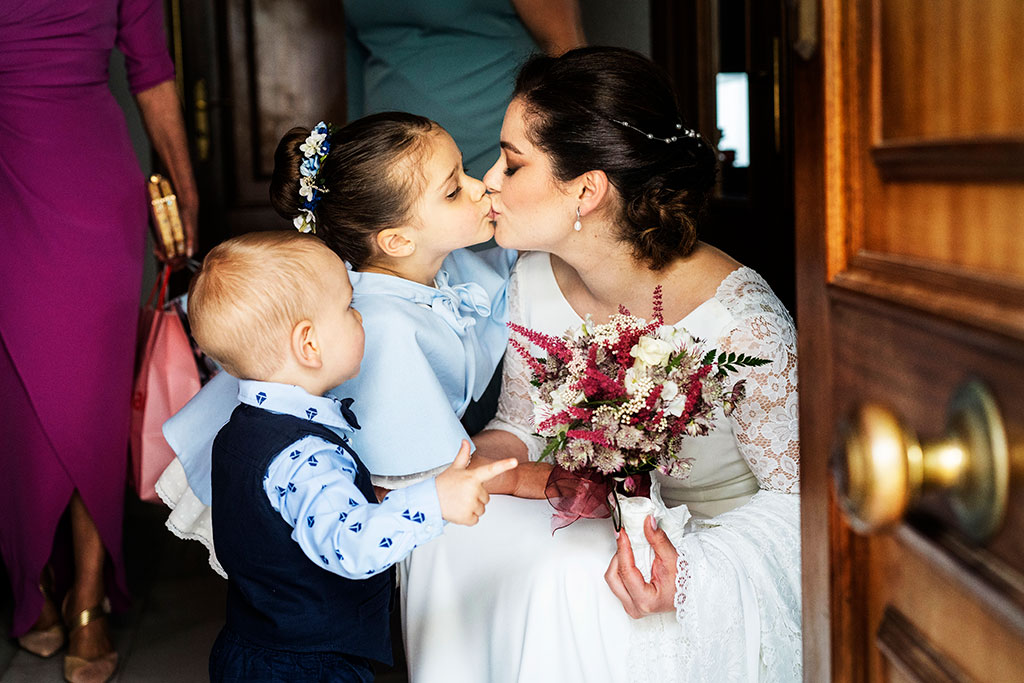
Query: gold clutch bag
167, 230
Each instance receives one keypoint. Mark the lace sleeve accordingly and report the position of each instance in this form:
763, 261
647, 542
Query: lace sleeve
766, 422
740, 571
515, 408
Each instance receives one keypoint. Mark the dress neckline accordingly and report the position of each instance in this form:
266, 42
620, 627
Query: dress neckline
553, 282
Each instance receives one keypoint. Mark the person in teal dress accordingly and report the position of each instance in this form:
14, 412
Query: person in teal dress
452, 61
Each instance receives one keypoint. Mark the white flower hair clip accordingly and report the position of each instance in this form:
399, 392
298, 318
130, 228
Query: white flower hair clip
314, 151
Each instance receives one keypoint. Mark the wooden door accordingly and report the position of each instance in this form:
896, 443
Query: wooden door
250, 70
910, 283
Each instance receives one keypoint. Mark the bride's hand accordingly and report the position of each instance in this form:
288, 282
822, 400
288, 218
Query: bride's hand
637, 596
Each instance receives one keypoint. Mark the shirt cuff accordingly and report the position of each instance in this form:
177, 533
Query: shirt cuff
421, 504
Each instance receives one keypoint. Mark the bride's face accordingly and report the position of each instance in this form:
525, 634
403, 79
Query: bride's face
532, 210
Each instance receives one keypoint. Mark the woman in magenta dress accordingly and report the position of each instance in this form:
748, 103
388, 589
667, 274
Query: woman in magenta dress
72, 201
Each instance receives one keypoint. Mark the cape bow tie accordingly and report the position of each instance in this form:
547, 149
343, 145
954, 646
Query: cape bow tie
454, 304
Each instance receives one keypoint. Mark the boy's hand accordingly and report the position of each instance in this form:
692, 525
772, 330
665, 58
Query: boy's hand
461, 491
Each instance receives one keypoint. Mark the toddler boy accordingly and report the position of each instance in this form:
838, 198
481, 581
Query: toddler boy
274, 309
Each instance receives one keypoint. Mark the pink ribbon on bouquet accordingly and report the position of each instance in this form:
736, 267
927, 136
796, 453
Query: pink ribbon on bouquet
585, 494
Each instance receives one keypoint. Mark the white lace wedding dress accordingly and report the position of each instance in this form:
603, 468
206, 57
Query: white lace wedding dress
508, 601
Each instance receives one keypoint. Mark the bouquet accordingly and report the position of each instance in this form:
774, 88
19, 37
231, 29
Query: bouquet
617, 400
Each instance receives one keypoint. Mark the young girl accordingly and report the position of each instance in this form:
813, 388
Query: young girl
389, 195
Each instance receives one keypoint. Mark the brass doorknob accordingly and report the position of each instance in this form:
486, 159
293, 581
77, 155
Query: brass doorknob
881, 469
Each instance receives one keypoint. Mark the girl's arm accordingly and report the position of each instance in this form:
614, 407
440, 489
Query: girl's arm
554, 24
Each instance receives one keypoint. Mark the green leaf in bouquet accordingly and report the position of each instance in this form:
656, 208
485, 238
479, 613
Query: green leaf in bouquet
554, 445
735, 361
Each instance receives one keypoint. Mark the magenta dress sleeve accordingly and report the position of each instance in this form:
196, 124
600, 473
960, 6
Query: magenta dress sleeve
141, 37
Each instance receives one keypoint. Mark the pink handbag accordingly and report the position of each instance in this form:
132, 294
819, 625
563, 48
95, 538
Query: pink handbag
166, 378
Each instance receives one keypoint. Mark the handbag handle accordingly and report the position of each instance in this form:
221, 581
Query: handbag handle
159, 286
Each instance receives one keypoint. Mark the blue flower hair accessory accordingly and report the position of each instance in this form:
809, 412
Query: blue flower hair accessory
314, 151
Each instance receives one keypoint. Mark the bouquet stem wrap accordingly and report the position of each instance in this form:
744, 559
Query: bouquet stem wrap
634, 512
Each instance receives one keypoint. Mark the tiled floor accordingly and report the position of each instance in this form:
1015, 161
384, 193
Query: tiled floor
178, 610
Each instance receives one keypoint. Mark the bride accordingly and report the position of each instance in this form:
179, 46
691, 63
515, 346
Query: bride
602, 187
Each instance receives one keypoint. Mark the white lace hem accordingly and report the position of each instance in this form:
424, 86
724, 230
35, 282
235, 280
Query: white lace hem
190, 519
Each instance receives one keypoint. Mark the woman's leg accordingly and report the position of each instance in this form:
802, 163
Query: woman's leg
87, 591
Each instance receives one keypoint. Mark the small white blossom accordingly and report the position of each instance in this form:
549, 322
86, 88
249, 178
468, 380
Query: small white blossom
676, 406
306, 187
311, 147
633, 380
304, 222
669, 390
677, 338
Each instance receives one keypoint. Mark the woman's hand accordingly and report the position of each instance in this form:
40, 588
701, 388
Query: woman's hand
637, 596
162, 116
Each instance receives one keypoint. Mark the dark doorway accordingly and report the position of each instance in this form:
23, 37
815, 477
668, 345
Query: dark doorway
729, 60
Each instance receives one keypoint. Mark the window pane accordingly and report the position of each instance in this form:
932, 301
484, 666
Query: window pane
733, 117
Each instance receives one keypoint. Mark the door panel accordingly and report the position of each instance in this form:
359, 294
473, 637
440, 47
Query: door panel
912, 282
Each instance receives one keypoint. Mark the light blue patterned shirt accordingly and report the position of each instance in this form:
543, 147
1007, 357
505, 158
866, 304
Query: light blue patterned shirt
311, 483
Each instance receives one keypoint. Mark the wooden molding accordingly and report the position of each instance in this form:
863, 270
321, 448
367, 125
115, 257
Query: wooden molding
985, 160
908, 650
997, 587
938, 290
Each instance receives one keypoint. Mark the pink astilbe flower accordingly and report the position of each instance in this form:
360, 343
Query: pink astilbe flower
597, 385
595, 436
540, 373
562, 418
553, 345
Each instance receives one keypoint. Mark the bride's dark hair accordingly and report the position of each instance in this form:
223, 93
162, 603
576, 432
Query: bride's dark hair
573, 103
368, 175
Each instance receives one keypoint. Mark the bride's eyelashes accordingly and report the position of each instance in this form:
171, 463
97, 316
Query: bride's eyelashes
454, 193
510, 170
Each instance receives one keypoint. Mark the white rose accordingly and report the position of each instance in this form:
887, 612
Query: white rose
651, 351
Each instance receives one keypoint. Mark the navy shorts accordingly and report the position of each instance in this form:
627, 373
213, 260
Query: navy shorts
235, 660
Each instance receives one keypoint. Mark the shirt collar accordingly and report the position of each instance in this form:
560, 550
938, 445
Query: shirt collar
296, 401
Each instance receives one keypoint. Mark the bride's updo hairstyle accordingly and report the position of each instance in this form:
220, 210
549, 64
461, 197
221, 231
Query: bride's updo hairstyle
577, 107
369, 175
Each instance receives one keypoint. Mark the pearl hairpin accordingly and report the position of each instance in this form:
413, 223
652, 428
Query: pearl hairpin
688, 132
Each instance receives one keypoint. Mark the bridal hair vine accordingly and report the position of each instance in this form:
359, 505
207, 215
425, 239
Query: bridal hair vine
314, 151
684, 132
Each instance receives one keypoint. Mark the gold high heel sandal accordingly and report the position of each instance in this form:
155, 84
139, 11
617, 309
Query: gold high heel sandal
44, 642
79, 669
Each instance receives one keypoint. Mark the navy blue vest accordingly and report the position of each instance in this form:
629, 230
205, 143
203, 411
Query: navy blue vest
277, 597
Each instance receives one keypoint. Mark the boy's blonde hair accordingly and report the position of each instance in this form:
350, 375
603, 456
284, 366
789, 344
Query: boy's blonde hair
251, 291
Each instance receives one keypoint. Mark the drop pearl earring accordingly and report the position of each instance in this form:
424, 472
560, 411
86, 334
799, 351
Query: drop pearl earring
577, 226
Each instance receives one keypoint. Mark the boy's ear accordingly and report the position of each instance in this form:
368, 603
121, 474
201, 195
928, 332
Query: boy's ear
305, 346
593, 188
395, 243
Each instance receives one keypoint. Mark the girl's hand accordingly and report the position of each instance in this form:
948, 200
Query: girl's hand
638, 597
